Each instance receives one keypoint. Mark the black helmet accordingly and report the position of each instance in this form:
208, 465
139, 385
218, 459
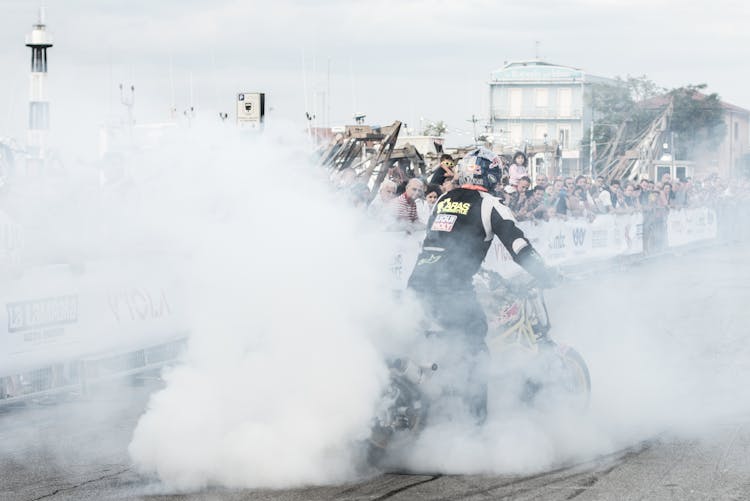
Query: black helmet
479, 167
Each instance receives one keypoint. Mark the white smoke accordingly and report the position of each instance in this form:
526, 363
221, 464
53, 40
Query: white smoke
666, 363
289, 295
292, 317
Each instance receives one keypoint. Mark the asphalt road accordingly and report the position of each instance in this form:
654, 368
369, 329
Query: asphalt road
700, 295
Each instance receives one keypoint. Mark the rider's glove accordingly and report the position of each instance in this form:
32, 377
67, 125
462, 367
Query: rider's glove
551, 278
533, 263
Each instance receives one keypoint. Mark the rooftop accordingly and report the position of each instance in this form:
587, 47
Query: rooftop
537, 70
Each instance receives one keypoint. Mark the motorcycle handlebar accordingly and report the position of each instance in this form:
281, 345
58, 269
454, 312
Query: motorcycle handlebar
522, 285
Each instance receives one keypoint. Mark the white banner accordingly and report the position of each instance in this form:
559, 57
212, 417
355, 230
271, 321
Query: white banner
685, 226
11, 242
54, 315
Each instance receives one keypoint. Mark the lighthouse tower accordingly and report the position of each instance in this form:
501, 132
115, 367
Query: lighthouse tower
39, 41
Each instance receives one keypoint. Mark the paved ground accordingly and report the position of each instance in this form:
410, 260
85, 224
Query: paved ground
42, 457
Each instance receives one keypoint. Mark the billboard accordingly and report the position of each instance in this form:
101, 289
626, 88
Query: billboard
251, 108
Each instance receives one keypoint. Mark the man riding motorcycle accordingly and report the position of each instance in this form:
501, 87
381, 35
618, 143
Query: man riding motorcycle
460, 231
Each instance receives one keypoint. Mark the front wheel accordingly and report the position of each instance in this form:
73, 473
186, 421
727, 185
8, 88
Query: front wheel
576, 378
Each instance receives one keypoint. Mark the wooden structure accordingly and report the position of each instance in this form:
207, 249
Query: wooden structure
371, 153
638, 160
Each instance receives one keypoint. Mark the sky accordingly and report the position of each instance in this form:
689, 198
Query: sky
416, 61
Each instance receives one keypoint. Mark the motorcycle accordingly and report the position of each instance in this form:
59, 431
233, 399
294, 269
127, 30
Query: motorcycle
527, 368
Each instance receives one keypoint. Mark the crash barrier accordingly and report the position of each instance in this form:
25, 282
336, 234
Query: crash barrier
67, 326
78, 375
64, 327
576, 241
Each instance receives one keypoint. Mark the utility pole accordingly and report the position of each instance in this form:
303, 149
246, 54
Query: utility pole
128, 100
591, 149
474, 121
328, 96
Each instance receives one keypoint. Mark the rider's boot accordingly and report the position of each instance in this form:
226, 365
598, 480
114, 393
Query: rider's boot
478, 404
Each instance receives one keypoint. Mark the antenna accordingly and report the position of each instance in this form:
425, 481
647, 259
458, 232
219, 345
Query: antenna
536, 49
128, 101
191, 89
308, 116
190, 112
173, 104
354, 89
328, 95
474, 121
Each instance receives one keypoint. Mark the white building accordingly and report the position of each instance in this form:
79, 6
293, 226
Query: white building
545, 106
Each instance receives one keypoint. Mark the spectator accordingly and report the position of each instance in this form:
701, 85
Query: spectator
518, 197
630, 199
644, 194
603, 198
569, 184
449, 184
615, 193
552, 192
689, 190
585, 184
666, 198
444, 170
541, 180
534, 207
397, 175
405, 206
518, 168
424, 206
577, 202
561, 203
379, 208
679, 194
386, 193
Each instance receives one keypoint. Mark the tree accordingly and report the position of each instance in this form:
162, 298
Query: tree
697, 119
435, 129
618, 106
634, 103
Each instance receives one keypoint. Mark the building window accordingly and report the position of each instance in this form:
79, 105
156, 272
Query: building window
564, 102
541, 100
563, 136
516, 101
736, 130
516, 134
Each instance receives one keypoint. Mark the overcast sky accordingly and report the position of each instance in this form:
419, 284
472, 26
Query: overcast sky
406, 60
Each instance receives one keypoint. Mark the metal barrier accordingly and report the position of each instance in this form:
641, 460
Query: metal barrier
78, 376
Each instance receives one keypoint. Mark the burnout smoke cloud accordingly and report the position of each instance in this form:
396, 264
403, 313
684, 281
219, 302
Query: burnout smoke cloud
291, 314
287, 293
291, 317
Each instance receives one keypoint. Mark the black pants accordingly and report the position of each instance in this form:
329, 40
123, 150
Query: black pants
462, 318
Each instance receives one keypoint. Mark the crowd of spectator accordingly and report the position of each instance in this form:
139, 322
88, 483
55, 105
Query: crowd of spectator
406, 203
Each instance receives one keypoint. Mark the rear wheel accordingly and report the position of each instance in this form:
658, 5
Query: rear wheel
560, 378
398, 423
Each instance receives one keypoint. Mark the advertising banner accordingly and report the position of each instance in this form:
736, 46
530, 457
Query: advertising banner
685, 226
53, 314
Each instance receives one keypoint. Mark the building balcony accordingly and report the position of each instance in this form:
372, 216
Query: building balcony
39, 38
537, 114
